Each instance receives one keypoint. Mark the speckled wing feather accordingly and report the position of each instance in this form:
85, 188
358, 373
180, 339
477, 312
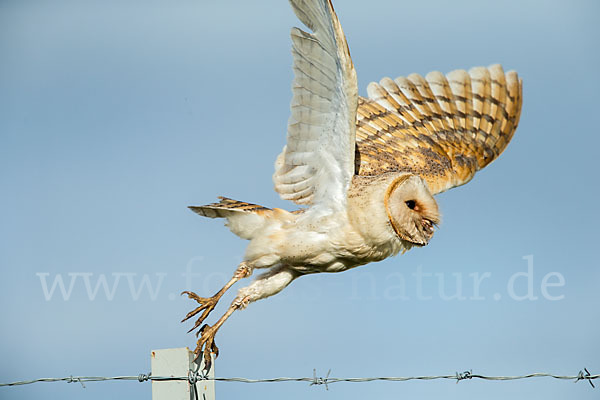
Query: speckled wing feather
442, 128
317, 164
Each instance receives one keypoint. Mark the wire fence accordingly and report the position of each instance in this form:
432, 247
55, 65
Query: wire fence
195, 376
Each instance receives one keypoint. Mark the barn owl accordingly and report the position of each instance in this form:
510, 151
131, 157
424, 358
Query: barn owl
365, 168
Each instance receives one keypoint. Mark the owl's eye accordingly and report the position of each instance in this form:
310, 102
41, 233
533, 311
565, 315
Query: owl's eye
410, 204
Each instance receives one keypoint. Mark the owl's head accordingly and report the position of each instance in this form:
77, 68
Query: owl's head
411, 209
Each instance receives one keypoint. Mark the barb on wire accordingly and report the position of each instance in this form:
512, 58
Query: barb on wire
465, 375
70, 379
587, 376
194, 376
319, 380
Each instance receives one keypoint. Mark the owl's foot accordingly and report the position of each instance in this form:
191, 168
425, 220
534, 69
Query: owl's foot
207, 304
206, 343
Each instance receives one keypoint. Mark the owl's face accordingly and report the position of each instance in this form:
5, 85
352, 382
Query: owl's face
411, 209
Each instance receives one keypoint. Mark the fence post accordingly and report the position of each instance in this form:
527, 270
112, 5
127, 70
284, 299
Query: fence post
179, 362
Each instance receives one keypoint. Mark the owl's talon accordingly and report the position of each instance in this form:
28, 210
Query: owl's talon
207, 304
206, 342
191, 295
206, 345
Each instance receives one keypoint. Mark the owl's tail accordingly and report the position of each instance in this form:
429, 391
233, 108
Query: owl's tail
243, 219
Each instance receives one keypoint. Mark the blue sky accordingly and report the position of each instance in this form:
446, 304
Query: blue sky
117, 115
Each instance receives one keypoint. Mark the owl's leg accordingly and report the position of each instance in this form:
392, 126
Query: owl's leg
267, 284
207, 304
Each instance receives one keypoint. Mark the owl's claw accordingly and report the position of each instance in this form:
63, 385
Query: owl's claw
206, 345
206, 342
207, 304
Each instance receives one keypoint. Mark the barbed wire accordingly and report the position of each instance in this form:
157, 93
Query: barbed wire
195, 376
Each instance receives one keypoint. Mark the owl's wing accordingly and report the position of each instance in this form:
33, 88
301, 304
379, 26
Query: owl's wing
317, 164
442, 128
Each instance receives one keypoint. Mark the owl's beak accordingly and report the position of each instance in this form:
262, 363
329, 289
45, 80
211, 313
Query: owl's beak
428, 228
425, 230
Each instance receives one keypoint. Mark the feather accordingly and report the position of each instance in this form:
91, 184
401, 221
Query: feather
443, 128
317, 164
243, 219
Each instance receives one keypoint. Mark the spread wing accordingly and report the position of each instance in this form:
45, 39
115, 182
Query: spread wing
442, 128
317, 164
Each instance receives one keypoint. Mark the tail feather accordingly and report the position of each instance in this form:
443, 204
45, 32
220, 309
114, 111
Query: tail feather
243, 219
225, 207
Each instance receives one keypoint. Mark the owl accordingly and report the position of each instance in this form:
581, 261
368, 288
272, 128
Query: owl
366, 169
